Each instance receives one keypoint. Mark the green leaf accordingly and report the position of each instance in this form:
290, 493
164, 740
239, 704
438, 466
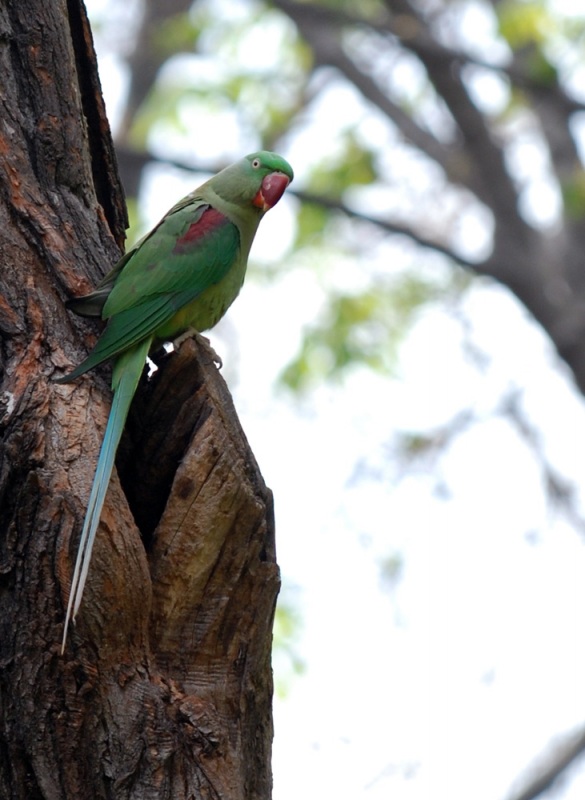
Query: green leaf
312, 222
286, 661
523, 23
177, 33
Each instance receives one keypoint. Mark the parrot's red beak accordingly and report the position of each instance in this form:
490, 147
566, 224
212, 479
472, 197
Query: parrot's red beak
271, 191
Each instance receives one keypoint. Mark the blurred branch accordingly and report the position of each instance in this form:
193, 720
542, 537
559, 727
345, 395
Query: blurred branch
148, 56
145, 61
560, 492
133, 162
497, 189
478, 162
416, 38
480, 165
423, 450
453, 160
320, 28
390, 227
552, 767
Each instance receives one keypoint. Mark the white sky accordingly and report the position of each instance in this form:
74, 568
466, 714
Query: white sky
449, 683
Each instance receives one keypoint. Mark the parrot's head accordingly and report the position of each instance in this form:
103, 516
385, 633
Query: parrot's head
274, 174
257, 181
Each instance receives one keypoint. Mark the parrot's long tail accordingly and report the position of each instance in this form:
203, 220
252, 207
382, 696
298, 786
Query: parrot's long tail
127, 372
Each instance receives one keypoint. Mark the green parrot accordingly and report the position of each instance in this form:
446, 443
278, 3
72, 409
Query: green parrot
183, 275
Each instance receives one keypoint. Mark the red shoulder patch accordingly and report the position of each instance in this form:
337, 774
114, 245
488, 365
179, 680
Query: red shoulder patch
211, 220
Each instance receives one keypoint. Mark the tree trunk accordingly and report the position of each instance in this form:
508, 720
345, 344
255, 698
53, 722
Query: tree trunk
165, 687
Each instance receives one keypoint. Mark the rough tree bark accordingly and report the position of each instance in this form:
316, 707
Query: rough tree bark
165, 687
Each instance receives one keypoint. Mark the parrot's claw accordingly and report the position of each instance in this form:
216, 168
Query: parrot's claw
202, 340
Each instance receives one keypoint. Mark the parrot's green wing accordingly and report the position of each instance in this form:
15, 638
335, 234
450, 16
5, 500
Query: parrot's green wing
190, 252
182, 252
92, 305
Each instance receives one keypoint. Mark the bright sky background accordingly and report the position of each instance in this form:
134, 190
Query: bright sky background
447, 683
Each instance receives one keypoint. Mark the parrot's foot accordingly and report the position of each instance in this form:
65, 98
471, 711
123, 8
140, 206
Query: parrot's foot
202, 340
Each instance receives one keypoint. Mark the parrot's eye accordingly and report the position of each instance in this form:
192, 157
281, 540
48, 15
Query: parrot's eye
256, 163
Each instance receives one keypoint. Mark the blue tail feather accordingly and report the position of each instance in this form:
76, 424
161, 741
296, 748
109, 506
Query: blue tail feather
127, 371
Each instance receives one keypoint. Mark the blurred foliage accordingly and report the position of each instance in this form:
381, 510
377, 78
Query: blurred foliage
286, 633
574, 195
135, 227
546, 37
226, 70
352, 165
540, 22
368, 9
527, 27
391, 570
312, 224
177, 33
523, 23
358, 329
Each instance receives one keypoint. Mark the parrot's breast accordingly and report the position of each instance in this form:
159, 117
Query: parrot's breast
207, 308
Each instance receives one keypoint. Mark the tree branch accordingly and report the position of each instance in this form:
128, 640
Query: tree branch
145, 61
315, 24
415, 37
552, 767
483, 168
497, 188
390, 227
453, 160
